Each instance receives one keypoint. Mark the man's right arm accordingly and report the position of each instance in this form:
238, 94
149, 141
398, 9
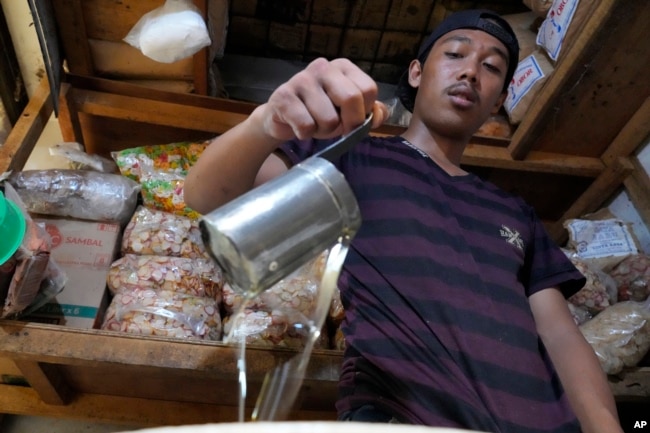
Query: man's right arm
327, 99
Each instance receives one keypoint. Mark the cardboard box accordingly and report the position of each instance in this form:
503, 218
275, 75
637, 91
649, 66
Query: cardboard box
85, 251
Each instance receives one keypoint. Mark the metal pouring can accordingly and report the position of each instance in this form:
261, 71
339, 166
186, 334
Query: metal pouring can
262, 236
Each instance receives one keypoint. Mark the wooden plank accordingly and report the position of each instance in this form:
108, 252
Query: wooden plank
535, 161
200, 59
70, 346
46, 381
69, 116
25, 133
632, 136
637, 186
532, 124
118, 60
156, 112
631, 385
600, 190
131, 411
72, 31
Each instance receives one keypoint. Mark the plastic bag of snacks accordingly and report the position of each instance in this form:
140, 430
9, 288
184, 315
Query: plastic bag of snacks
160, 170
197, 277
153, 232
296, 292
82, 194
167, 158
598, 293
620, 335
164, 191
164, 313
632, 277
272, 329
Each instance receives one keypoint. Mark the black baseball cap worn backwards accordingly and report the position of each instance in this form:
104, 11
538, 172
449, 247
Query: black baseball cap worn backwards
479, 19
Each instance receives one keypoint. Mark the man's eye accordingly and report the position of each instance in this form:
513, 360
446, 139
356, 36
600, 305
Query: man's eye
492, 68
453, 55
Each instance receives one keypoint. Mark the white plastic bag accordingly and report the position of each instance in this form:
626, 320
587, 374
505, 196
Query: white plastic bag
171, 32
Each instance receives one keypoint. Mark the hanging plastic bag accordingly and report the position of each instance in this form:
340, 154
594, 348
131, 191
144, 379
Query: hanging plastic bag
171, 32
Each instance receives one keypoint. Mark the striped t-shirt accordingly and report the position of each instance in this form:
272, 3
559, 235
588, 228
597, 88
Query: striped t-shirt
435, 289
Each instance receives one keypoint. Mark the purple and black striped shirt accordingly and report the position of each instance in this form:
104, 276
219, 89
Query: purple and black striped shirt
435, 288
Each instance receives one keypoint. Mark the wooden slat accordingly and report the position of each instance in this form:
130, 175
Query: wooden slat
26, 132
72, 31
68, 116
200, 59
633, 385
155, 112
637, 186
531, 125
600, 190
635, 133
46, 381
130, 411
60, 345
535, 161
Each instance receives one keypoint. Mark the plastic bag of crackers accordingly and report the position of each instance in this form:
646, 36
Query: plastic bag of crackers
197, 277
280, 315
165, 313
154, 232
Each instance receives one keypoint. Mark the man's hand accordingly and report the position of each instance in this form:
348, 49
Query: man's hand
326, 99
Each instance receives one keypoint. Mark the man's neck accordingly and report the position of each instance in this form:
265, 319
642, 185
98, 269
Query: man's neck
444, 151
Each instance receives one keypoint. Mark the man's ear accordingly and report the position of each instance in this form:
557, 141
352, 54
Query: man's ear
499, 102
415, 73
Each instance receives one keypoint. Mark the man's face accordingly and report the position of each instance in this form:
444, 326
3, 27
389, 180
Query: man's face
462, 81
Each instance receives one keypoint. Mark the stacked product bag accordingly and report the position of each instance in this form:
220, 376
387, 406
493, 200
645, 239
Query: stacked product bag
613, 308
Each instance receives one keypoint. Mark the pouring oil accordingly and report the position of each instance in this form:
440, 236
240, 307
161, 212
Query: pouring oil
281, 385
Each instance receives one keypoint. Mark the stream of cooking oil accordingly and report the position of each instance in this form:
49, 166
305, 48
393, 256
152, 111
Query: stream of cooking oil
281, 385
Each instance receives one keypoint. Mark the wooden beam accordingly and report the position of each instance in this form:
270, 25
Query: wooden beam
46, 381
25, 133
200, 59
131, 411
535, 161
69, 116
72, 31
633, 384
524, 137
632, 136
81, 347
155, 112
637, 186
598, 192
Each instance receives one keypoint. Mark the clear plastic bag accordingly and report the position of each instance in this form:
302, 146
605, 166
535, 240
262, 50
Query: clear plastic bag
196, 277
171, 32
620, 335
632, 277
83, 194
153, 232
599, 291
164, 313
36, 277
80, 160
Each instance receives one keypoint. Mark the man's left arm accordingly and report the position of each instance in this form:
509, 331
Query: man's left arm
575, 361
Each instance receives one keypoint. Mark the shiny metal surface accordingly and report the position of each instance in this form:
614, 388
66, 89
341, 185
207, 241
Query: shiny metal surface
267, 233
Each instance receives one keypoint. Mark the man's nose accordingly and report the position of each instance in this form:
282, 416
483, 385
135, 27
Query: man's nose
469, 71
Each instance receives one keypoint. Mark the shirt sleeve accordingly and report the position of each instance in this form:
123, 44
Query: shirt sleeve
548, 266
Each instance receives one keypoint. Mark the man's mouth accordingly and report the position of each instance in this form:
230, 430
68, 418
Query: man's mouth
463, 94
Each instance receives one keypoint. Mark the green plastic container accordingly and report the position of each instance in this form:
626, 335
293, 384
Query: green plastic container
12, 228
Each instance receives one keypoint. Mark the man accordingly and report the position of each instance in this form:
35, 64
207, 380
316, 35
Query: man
455, 296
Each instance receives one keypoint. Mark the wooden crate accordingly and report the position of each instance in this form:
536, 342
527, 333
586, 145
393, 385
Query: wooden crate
92, 33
